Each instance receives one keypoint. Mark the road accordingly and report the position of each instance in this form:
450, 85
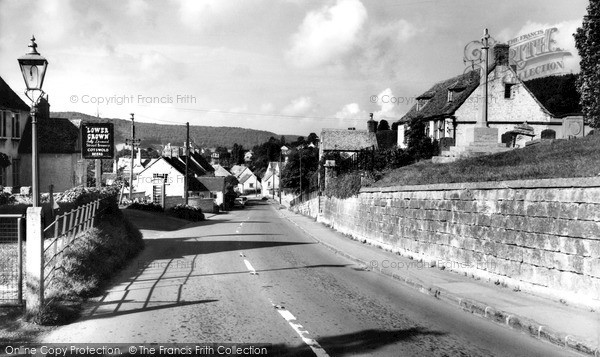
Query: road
250, 276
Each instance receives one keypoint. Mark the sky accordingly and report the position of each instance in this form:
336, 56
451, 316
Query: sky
287, 66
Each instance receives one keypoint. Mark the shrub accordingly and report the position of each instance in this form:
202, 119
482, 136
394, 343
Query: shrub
149, 206
344, 186
186, 212
6, 198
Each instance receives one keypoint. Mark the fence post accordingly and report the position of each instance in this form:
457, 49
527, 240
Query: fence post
20, 254
94, 210
34, 260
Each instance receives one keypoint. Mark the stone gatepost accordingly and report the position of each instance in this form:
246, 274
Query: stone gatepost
34, 263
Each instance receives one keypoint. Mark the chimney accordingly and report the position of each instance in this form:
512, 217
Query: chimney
501, 51
43, 108
371, 124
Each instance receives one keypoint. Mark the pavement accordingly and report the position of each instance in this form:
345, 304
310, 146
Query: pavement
570, 327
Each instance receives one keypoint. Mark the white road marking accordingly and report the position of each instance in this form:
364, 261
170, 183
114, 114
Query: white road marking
301, 331
250, 268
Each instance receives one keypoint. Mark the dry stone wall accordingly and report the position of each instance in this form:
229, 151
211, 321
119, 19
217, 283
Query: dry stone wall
537, 235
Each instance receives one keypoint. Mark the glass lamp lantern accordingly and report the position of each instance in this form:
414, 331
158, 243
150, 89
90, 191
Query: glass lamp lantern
33, 67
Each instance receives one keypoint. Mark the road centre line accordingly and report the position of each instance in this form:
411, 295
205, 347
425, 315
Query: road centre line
313, 344
250, 268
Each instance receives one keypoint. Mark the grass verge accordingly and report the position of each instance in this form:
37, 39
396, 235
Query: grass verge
86, 265
548, 159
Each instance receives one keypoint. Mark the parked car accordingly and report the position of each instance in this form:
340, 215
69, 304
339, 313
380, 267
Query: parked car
240, 202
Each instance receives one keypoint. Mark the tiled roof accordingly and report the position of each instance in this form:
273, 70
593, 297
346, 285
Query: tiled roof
347, 140
9, 99
237, 169
193, 183
55, 136
438, 105
213, 184
220, 170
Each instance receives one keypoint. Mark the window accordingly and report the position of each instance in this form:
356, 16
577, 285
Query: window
251, 185
160, 176
3, 176
16, 168
450, 96
16, 125
508, 90
3, 118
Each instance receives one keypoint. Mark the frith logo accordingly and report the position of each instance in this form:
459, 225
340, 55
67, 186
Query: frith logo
536, 54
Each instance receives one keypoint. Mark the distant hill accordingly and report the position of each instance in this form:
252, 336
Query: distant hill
157, 134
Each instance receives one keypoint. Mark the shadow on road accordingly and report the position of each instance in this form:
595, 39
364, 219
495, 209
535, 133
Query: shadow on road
362, 342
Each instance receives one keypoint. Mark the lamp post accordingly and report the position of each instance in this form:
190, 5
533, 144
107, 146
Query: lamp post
33, 67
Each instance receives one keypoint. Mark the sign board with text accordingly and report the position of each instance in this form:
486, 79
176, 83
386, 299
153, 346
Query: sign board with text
97, 140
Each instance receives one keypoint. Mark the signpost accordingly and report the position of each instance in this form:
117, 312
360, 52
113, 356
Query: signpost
97, 143
98, 140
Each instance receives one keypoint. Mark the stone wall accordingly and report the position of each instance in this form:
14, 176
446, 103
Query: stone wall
537, 235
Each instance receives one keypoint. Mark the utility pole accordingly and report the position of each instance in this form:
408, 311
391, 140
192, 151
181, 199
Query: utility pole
98, 162
133, 143
187, 158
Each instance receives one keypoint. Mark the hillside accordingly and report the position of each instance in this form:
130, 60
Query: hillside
156, 134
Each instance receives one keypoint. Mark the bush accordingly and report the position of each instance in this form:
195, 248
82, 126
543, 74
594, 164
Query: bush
6, 198
344, 186
186, 212
150, 206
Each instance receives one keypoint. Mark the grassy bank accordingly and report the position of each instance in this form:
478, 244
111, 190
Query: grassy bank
87, 264
549, 159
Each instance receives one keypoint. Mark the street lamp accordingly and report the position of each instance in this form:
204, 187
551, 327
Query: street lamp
33, 67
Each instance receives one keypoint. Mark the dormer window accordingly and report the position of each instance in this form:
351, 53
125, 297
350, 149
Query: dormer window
450, 96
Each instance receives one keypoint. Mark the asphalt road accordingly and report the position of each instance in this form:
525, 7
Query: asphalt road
250, 276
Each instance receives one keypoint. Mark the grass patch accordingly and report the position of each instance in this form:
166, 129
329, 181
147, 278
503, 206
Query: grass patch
549, 159
86, 265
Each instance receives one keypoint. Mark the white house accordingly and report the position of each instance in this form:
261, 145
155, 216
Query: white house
453, 108
270, 180
163, 181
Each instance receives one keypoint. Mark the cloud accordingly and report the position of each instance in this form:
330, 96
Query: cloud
327, 34
267, 108
298, 106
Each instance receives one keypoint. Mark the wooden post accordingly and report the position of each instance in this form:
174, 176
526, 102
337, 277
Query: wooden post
98, 173
34, 260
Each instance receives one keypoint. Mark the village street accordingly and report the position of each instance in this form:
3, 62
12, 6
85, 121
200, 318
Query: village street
197, 284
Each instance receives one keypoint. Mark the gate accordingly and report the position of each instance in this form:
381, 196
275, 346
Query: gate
11, 259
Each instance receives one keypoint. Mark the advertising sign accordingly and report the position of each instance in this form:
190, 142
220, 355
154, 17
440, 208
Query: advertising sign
97, 140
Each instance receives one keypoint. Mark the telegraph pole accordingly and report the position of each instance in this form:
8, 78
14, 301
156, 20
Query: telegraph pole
187, 158
133, 143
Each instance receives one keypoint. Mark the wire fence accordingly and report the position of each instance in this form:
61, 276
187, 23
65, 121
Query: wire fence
63, 231
11, 259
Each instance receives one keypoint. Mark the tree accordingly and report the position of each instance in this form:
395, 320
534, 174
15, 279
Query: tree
383, 125
587, 41
420, 146
292, 174
312, 139
237, 154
